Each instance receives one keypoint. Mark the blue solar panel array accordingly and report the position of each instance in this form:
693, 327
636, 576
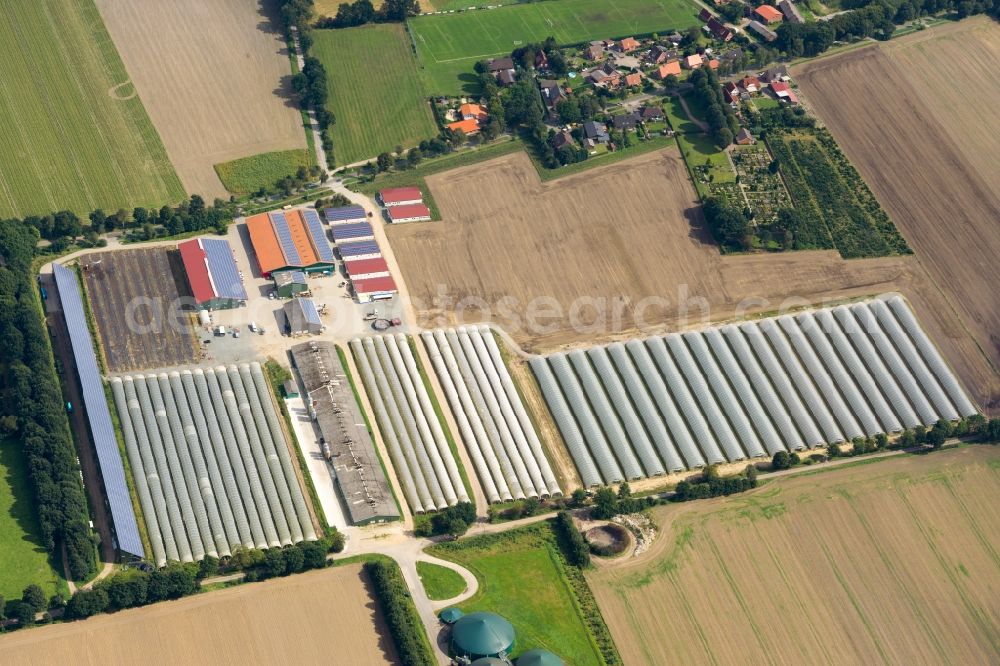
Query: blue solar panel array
315, 228
284, 234
103, 432
222, 268
361, 248
344, 213
345, 232
309, 311
298, 277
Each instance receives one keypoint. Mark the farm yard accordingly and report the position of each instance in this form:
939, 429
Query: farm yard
75, 135
890, 561
659, 405
135, 297
449, 46
216, 81
315, 614
375, 91
941, 190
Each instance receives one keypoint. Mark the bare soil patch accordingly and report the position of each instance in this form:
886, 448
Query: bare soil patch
320, 617
627, 238
931, 157
137, 298
608, 540
214, 77
894, 561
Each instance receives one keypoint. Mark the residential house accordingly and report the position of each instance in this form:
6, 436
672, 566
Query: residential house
732, 55
672, 67
502, 69
626, 121
675, 38
713, 64
551, 92
627, 45
790, 11
595, 51
507, 77
704, 14
473, 112
541, 60
596, 132
651, 113
779, 73
731, 92
468, 127
693, 61
634, 79
784, 92
751, 84
719, 31
745, 138
563, 139
768, 14
657, 55
605, 76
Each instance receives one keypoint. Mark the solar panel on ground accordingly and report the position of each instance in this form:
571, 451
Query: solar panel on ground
309, 311
222, 267
315, 228
284, 236
101, 429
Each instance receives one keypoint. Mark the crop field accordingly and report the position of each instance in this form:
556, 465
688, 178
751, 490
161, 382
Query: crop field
375, 91
894, 561
942, 188
135, 297
215, 78
25, 559
523, 578
449, 46
315, 614
249, 174
563, 262
75, 135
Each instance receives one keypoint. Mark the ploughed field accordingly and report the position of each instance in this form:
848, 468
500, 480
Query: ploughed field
215, 78
320, 617
893, 561
932, 161
135, 297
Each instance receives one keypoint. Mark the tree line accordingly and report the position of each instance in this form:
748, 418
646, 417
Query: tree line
400, 614
720, 116
33, 410
361, 12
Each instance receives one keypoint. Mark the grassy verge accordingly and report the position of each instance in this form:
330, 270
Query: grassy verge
417, 176
357, 399
439, 413
522, 576
251, 174
439, 582
306, 122
304, 197
278, 375
604, 159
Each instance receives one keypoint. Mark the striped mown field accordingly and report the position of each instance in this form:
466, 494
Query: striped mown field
74, 133
891, 561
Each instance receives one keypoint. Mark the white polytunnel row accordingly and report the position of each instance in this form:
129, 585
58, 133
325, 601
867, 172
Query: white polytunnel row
211, 466
492, 420
729, 393
410, 427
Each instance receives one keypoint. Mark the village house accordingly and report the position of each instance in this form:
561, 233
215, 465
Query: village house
768, 14
751, 84
713, 64
762, 30
595, 51
627, 45
731, 92
473, 112
672, 67
503, 70
507, 77
626, 121
633, 80
467, 127
651, 113
563, 139
595, 132
745, 138
693, 61
784, 92
606, 76
719, 31
790, 11
657, 55
551, 92
541, 60
779, 73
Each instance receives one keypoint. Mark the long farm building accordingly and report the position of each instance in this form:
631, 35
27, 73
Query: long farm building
290, 240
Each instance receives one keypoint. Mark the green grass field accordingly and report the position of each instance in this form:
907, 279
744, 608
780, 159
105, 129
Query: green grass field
375, 91
249, 174
449, 46
440, 582
521, 577
74, 133
23, 560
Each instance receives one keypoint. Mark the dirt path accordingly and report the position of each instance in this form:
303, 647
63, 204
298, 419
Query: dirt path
702, 125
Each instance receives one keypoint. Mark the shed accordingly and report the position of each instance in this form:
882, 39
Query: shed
345, 214
539, 657
450, 615
289, 283
302, 317
359, 250
212, 273
374, 289
410, 213
363, 269
400, 196
290, 389
357, 231
482, 634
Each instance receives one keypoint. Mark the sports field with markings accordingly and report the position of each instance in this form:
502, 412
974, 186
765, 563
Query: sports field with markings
449, 46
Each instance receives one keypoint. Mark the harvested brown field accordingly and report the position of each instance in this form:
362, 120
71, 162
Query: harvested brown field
138, 298
627, 238
893, 561
931, 159
320, 617
214, 77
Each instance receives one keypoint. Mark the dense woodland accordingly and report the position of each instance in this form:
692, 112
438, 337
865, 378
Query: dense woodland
33, 411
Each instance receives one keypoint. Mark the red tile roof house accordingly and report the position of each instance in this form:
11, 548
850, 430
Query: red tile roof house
628, 45
672, 67
693, 61
594, 51
750, 83
768, 14
633, 80
468, 127
731, 92
784, 92
400, 196
719, 31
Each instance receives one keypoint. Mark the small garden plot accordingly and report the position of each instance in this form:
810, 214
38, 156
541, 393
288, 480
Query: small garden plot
765, 193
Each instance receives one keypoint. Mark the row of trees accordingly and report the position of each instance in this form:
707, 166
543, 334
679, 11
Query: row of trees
574, 546
361, 12
400, 613
714, 485
453, 521
33, 410
721, 118
24, 610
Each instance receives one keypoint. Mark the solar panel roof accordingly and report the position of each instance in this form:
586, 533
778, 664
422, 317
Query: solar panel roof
284, 235
315, 228
359, 248
344, 213
348, 231
103, 432
222, 269
309, 311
